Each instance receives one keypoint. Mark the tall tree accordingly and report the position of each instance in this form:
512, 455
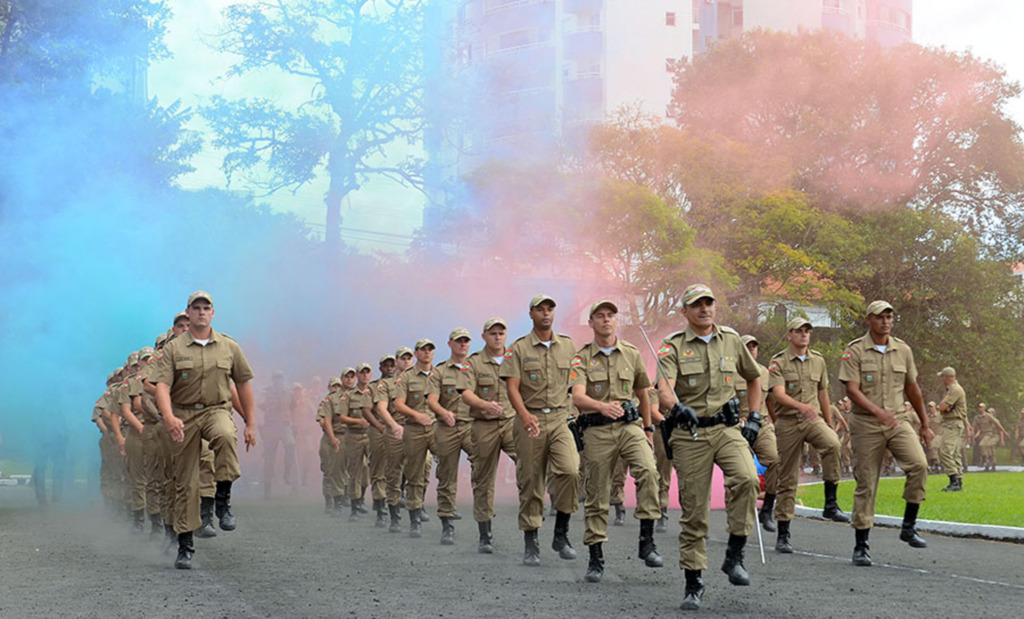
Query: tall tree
362, 63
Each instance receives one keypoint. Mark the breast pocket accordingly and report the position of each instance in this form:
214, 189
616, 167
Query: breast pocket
184, 369
448, 387
625, 380
868, 377
899, 370
485, 386
532, 371
792, 382
692, 379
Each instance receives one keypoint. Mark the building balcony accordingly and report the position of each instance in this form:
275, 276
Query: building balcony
525, 17
584, 43
576, 6
502, 6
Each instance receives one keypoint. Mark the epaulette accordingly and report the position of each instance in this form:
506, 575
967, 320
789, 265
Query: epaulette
475, 354
628, 345
520, 338
674, 334
228, 336
855, 341
815, 353
778, 354
728, 330
568, 337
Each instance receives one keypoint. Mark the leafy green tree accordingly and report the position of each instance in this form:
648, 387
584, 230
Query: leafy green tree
361, 63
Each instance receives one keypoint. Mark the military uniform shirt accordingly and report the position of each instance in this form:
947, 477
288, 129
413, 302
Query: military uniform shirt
609, 378
802, 379
414, 385
882, 376
543, 371
482, 378
741, 391
337, 405
385, 391
448, 381
706, 373
956, 400
358, 399
199, 375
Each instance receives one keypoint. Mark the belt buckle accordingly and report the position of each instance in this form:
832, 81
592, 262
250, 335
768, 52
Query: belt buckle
199, 407
546, 410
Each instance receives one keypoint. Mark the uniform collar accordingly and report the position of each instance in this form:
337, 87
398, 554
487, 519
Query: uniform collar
790, 355
536, 341
188, 339
689, 334
893, 344
595, 348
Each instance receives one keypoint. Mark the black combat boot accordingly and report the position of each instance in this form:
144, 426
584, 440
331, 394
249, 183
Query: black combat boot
860, 550
595, 569
186, 548
170, 537
767, 516
959, 483
328, 504
560, 543
354, 515
531, 555
222, 502
396, 519
423, 516
694, 590
344, 500
648, 551
661, 526
138, 520
361, 503
206, 529
832, 511
733, 564
620, 515
952, 484
156, 526
378, 506
415, 530
339, 507
447, 532
486, 545
782, 543
908, 533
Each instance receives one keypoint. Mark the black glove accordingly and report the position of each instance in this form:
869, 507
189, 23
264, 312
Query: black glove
685, 418
666, 426
751, 427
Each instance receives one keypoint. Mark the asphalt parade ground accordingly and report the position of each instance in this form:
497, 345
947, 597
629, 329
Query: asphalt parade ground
289, 559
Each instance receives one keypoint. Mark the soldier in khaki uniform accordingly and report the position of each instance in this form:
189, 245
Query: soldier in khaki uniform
155, 447
878, 370
332, 501
412, 388
358, 403
989, 433
803, 413
606, 376
491, 430
661, 460
765, 447
135, 472
337, 430
387, 389
195, 399
953, 408
381, 424
699, 367
536, 371
452, 437
935, 449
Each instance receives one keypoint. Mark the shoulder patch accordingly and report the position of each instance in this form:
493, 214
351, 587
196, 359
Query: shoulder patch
508, 354
576, 361
847, 355
664, 350
464, 366
772, 366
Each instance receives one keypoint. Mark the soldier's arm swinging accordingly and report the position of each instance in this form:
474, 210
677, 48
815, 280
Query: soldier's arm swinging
248, 402
857, 397
129, 416
589, 406
826, 406
434, 404
175, 426
529, 420
913, 393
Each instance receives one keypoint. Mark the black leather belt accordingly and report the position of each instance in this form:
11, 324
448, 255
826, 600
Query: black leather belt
198, 407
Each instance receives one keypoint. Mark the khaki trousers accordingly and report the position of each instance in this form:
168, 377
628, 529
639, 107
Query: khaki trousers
490, 438
110, 463
553, 446
449, 443
356, 445
417, 440
617, 495
156, 454
216, 426
326, 452
791, 432
135, 469
767, 452
987, 445
694, 463
395, 468
952, 437
603, 446
378, 463
664, 466
338, 473
870, 439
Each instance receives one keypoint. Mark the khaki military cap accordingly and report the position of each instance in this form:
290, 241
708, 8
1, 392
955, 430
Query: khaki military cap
348, 370
877, 307
796, 323
133, 359
145, 353
179, 316
404, 350
364, 366
160, 340
696, 292
334, 381
603, 303
385, 358
947, 371
423, 343
537, 300
110, 377
746, 339
199, 294
494, 321
459, 333
931, 402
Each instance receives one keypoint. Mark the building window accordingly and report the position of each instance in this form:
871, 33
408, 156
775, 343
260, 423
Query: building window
670, 19
517, 38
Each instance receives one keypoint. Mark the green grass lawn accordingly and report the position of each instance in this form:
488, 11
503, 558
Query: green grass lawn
988, 498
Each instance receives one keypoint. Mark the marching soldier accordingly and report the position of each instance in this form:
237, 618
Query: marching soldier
194, 397
536, 371
491, 430
453, 436
953, 408
353, 414
803, 413
328, 447
606, 376
765, 447
989, 433
387, 390
878, 370
699, 367
381, 423
411, 401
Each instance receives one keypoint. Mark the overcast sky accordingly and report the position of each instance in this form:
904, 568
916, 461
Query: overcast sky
989, 28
